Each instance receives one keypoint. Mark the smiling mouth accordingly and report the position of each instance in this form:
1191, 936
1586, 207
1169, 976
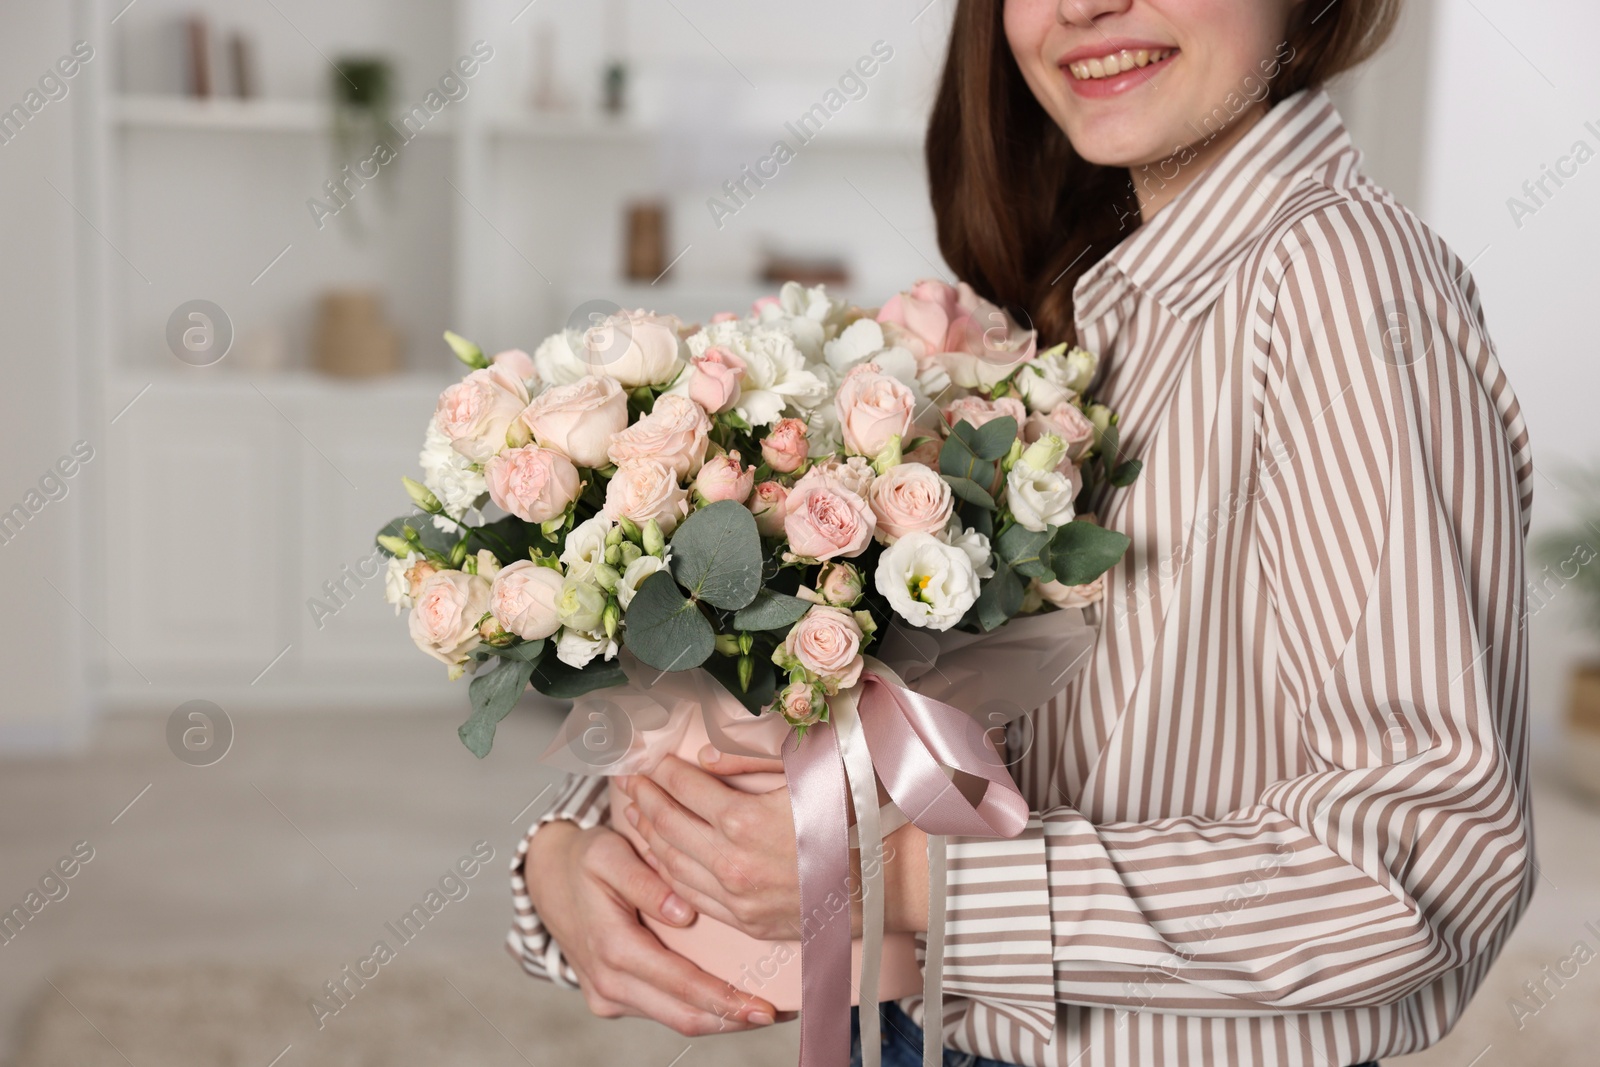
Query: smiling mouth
1118, 62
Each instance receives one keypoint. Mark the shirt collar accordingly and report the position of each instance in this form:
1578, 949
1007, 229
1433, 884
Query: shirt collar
1185, 255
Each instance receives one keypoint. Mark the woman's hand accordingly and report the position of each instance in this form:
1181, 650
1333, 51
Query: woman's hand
732, 855
589, 887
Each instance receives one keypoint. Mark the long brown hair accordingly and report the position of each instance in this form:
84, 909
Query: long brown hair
1020, 214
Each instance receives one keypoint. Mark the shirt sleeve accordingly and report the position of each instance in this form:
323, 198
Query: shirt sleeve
1388, 519
583, 800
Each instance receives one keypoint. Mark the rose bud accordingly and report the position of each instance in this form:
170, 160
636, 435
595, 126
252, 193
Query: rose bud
767, 503
724, 478
785, 448
802, 704
714, 379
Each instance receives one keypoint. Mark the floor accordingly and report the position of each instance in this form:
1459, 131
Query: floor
295, 849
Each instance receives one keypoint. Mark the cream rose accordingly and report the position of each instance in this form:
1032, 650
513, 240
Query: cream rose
827, 642
927, 582
534, 484
645, 489
579, 420
910, 498
444, 623
873, 407
634, 347
823, 519
476, 412
523, 599
1039, 498
1066, 422
675, 433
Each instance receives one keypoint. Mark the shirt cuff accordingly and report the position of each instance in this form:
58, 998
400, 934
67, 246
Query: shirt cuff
583, 801
997, 936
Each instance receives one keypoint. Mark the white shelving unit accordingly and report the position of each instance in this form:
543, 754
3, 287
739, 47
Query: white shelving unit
496, 221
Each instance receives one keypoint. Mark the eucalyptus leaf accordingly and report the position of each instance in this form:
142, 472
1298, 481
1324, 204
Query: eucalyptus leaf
716, 555
1080, 552
771, 611
993, 439
1126, 474
665, 629
970, 491
510, 539
559, 681
523, 652
1001, 597
1025, 551
493, 696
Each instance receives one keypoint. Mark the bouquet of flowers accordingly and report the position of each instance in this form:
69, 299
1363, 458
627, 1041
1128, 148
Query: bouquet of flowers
788, 518
759, 496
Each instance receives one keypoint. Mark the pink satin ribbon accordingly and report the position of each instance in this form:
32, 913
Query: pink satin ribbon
912, 738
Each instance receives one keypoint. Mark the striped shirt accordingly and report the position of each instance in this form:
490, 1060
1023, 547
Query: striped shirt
1282, 817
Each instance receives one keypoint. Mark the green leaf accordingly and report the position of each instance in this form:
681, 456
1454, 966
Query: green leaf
429, 534
1109, 443
509, 539
771, 611
970, 491
493, 696
523, 652
1025, 550
1127, 473
957, 458
1001, 597
716, 555
993, 439
1080, 552
763, 681
560, 681
666, 630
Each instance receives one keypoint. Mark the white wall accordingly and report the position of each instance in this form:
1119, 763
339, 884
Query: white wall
40, 636
1513, 83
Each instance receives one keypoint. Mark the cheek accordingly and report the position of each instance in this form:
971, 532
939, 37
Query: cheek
1027, 24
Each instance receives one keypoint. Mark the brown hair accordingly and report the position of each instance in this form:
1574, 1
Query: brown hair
1020, 214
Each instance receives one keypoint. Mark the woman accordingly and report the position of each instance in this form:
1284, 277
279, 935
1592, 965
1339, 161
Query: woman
1282, 817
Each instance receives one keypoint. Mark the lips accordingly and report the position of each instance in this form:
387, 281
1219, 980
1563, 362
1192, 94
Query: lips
1118, 62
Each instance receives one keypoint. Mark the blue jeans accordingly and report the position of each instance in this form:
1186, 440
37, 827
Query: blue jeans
902, 1042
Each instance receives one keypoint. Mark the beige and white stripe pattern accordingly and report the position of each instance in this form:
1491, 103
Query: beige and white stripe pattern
1282, 817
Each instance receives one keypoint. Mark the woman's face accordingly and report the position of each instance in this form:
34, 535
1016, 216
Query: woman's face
1135, 82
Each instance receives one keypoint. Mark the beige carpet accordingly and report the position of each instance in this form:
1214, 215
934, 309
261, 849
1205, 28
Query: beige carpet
441, 1015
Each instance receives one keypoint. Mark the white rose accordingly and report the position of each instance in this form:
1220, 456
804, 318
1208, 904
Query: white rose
1080, 367
576, 649
581, 605
927, 582
559, 358
1039, 498
633, 577
585, 547
1046, 382
635, 348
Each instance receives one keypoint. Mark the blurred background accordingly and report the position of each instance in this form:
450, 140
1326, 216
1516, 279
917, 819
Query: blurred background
223, 311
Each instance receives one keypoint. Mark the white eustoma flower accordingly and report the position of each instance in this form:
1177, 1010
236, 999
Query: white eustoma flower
634, 575
1039, 498
559, 358
451, 477
777, 378
576, 648
585, 547
1047, 381
809, 316
396, 586
1080, 365
927, 582
973, 543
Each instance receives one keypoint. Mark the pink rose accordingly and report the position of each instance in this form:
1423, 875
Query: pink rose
534, 484
768, 503
827, 642
785, 449
1073, 596
908, 499
1067, 423
417, 575
645, 489
823, 519
517, 363
634, 347
523, 599
725, 478
873, 407
977, 411
927, 453
579, 420
476, 412
675, 432
714, 379
922, 316
855, 474
985, 344
444, 623
802, 704
724, 316
839, 585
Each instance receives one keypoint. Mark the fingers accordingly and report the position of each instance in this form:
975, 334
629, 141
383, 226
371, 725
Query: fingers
638, 976
613, 861
681, 830
684, 873
717, 761
704, 794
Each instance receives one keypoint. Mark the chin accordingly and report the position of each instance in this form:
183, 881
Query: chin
1113, 144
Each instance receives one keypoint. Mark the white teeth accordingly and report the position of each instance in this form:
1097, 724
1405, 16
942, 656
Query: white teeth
1116, 63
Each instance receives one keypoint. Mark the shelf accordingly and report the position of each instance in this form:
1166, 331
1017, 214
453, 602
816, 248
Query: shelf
600, 128
234, 116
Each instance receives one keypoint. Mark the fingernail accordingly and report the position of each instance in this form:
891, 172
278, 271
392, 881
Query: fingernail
633, 815
675, 909
710, 754
760, 1018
